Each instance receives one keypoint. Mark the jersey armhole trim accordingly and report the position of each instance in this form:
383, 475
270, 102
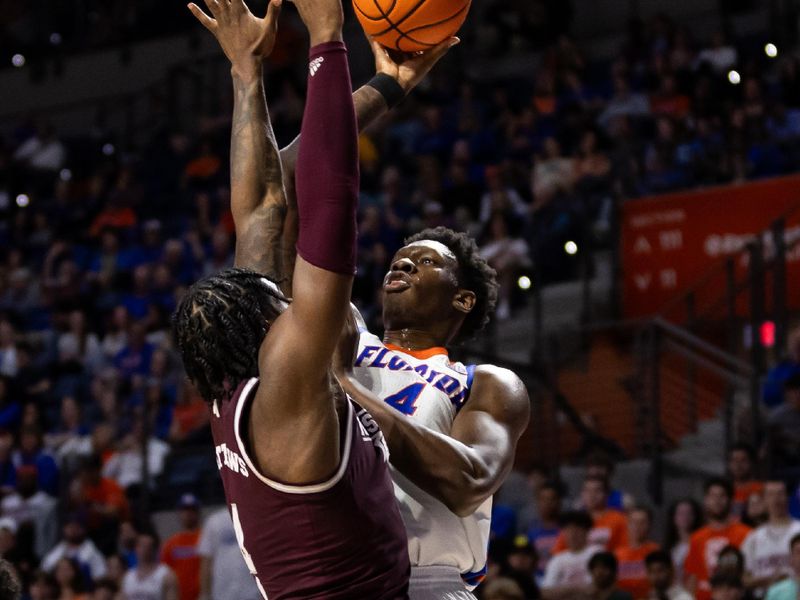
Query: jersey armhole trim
344, 459
467, 389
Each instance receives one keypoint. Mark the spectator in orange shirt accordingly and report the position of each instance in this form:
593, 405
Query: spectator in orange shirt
180, 551
707, 542
632, 575
102, 500
741, 463
610, 531
190, 417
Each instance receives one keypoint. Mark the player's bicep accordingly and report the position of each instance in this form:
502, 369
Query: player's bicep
493, 420
489, 440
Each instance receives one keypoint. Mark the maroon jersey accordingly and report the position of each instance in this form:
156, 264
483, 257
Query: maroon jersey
342, 539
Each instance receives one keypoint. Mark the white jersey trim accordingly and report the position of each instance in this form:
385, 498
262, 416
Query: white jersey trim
282, 487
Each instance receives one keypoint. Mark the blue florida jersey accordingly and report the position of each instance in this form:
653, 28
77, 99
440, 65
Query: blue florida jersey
427, 387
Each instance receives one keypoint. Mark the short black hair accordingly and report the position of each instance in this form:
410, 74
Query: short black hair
474, 274
606, 559
219, 327
579, 518
659, 557
793, 383
600, 459
744, 447
150, 532
10, 586
724, 579
554, 485
722, 482
602, 480
794, 541
92, 462
642, 508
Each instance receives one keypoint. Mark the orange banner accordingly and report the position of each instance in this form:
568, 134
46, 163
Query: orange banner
670, 242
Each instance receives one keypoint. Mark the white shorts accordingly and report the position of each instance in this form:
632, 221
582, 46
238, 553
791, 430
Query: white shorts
437, 583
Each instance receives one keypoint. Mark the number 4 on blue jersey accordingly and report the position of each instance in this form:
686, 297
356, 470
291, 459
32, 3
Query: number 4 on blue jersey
406, 399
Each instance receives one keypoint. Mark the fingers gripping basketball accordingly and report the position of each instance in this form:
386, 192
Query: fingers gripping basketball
411, 25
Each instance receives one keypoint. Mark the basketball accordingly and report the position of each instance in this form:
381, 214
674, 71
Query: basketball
411, 25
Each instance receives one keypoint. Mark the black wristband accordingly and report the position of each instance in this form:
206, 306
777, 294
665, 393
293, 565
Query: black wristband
387, 86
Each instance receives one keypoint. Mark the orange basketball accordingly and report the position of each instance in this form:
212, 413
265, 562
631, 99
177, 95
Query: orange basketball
411, 25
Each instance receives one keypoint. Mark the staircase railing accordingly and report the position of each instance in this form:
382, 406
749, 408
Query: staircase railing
681, 379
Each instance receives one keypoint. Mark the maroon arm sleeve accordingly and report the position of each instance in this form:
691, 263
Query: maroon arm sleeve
327, 175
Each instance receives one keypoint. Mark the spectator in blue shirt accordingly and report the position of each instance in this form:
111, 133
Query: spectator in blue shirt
31, 453
10, 409
782, 372
600, 465
545, 531
135, 357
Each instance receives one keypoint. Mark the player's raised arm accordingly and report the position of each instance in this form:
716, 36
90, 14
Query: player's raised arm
393, 81
258, 200
326, 180
294, 403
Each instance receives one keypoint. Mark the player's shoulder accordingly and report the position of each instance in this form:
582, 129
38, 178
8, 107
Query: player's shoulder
502, 378
502, 389
500, 381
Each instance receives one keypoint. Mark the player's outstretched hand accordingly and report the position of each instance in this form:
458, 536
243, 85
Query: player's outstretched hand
245, 38
409, 69
324, 19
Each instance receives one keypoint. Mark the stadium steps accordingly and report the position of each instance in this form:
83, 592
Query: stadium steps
598, 389
699, 453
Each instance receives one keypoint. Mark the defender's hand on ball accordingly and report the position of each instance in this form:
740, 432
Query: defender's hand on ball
409, 69
245, 38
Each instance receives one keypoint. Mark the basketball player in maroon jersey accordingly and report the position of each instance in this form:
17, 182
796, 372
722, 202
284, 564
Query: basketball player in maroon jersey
304, 469
450, 459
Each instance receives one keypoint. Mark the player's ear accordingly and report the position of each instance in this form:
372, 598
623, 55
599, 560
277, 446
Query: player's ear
464, 301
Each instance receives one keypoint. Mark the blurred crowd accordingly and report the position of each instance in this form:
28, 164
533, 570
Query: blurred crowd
100, 237
741, 540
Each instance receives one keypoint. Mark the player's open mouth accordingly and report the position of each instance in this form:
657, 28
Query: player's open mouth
396, 286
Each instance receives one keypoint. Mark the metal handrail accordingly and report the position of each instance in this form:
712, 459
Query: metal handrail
689, 339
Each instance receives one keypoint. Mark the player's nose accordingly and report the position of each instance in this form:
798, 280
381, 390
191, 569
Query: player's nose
406, 265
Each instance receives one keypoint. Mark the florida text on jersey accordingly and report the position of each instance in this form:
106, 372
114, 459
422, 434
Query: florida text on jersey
429, 388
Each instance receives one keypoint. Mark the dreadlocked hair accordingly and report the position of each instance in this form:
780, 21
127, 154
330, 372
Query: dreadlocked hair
474, 274
219, 327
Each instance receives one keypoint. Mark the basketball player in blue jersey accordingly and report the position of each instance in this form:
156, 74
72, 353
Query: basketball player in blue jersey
304, 469
452, 429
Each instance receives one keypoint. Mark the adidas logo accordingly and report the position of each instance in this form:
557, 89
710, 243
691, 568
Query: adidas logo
315, 65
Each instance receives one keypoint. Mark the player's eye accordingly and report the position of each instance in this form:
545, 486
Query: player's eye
427, 261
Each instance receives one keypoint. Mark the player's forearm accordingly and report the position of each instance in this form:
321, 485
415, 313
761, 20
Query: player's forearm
370, 106
258, 201
447, 469
327, 174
